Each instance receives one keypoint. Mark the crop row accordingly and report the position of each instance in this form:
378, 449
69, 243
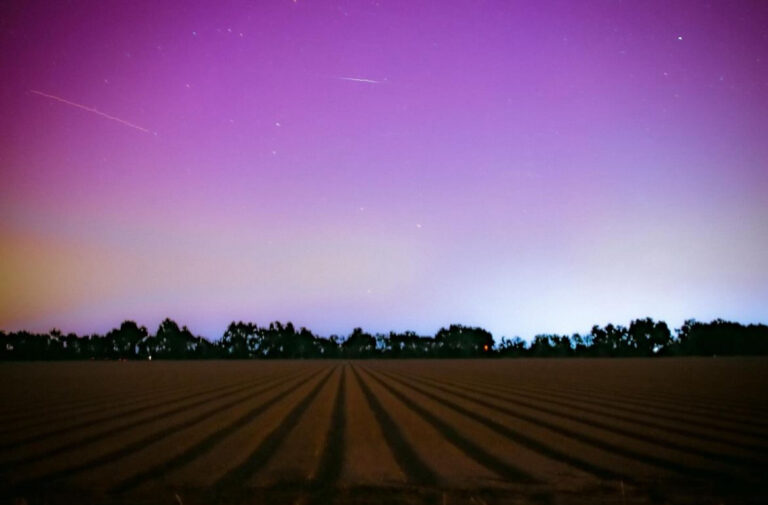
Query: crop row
418, 431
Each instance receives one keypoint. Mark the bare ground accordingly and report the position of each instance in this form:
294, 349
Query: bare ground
573, 431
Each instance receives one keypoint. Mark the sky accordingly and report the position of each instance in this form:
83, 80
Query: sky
525, 166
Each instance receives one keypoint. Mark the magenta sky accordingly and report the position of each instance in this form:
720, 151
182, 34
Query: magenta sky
525, 166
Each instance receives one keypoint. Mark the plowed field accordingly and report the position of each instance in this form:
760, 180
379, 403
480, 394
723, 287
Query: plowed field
445, 432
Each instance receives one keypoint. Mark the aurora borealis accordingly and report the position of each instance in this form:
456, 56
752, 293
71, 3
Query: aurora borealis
528, 167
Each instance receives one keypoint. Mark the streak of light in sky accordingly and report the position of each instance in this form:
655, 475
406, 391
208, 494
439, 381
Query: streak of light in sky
359, 79
90, 109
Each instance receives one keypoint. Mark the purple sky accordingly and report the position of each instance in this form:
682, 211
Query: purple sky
528, 167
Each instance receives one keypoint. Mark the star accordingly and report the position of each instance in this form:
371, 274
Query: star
679, 37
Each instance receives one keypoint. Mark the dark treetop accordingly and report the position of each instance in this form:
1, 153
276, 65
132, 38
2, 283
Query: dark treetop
643, 337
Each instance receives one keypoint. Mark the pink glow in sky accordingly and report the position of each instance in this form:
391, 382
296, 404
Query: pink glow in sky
524, 166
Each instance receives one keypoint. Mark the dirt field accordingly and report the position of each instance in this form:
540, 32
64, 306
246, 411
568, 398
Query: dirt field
544, 431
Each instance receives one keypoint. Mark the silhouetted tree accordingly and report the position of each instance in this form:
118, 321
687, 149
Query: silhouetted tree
644, 337
328, 347
359, 345
296, 344
514, 347
306, 344
240, 341
70, 348
148, 347
458, 340
551, 346
648, 338
171, 340
124, 342
581, 344
408, 345
95, 347
721, 338
610, 341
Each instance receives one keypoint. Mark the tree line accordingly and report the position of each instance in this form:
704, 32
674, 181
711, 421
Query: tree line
642, 338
